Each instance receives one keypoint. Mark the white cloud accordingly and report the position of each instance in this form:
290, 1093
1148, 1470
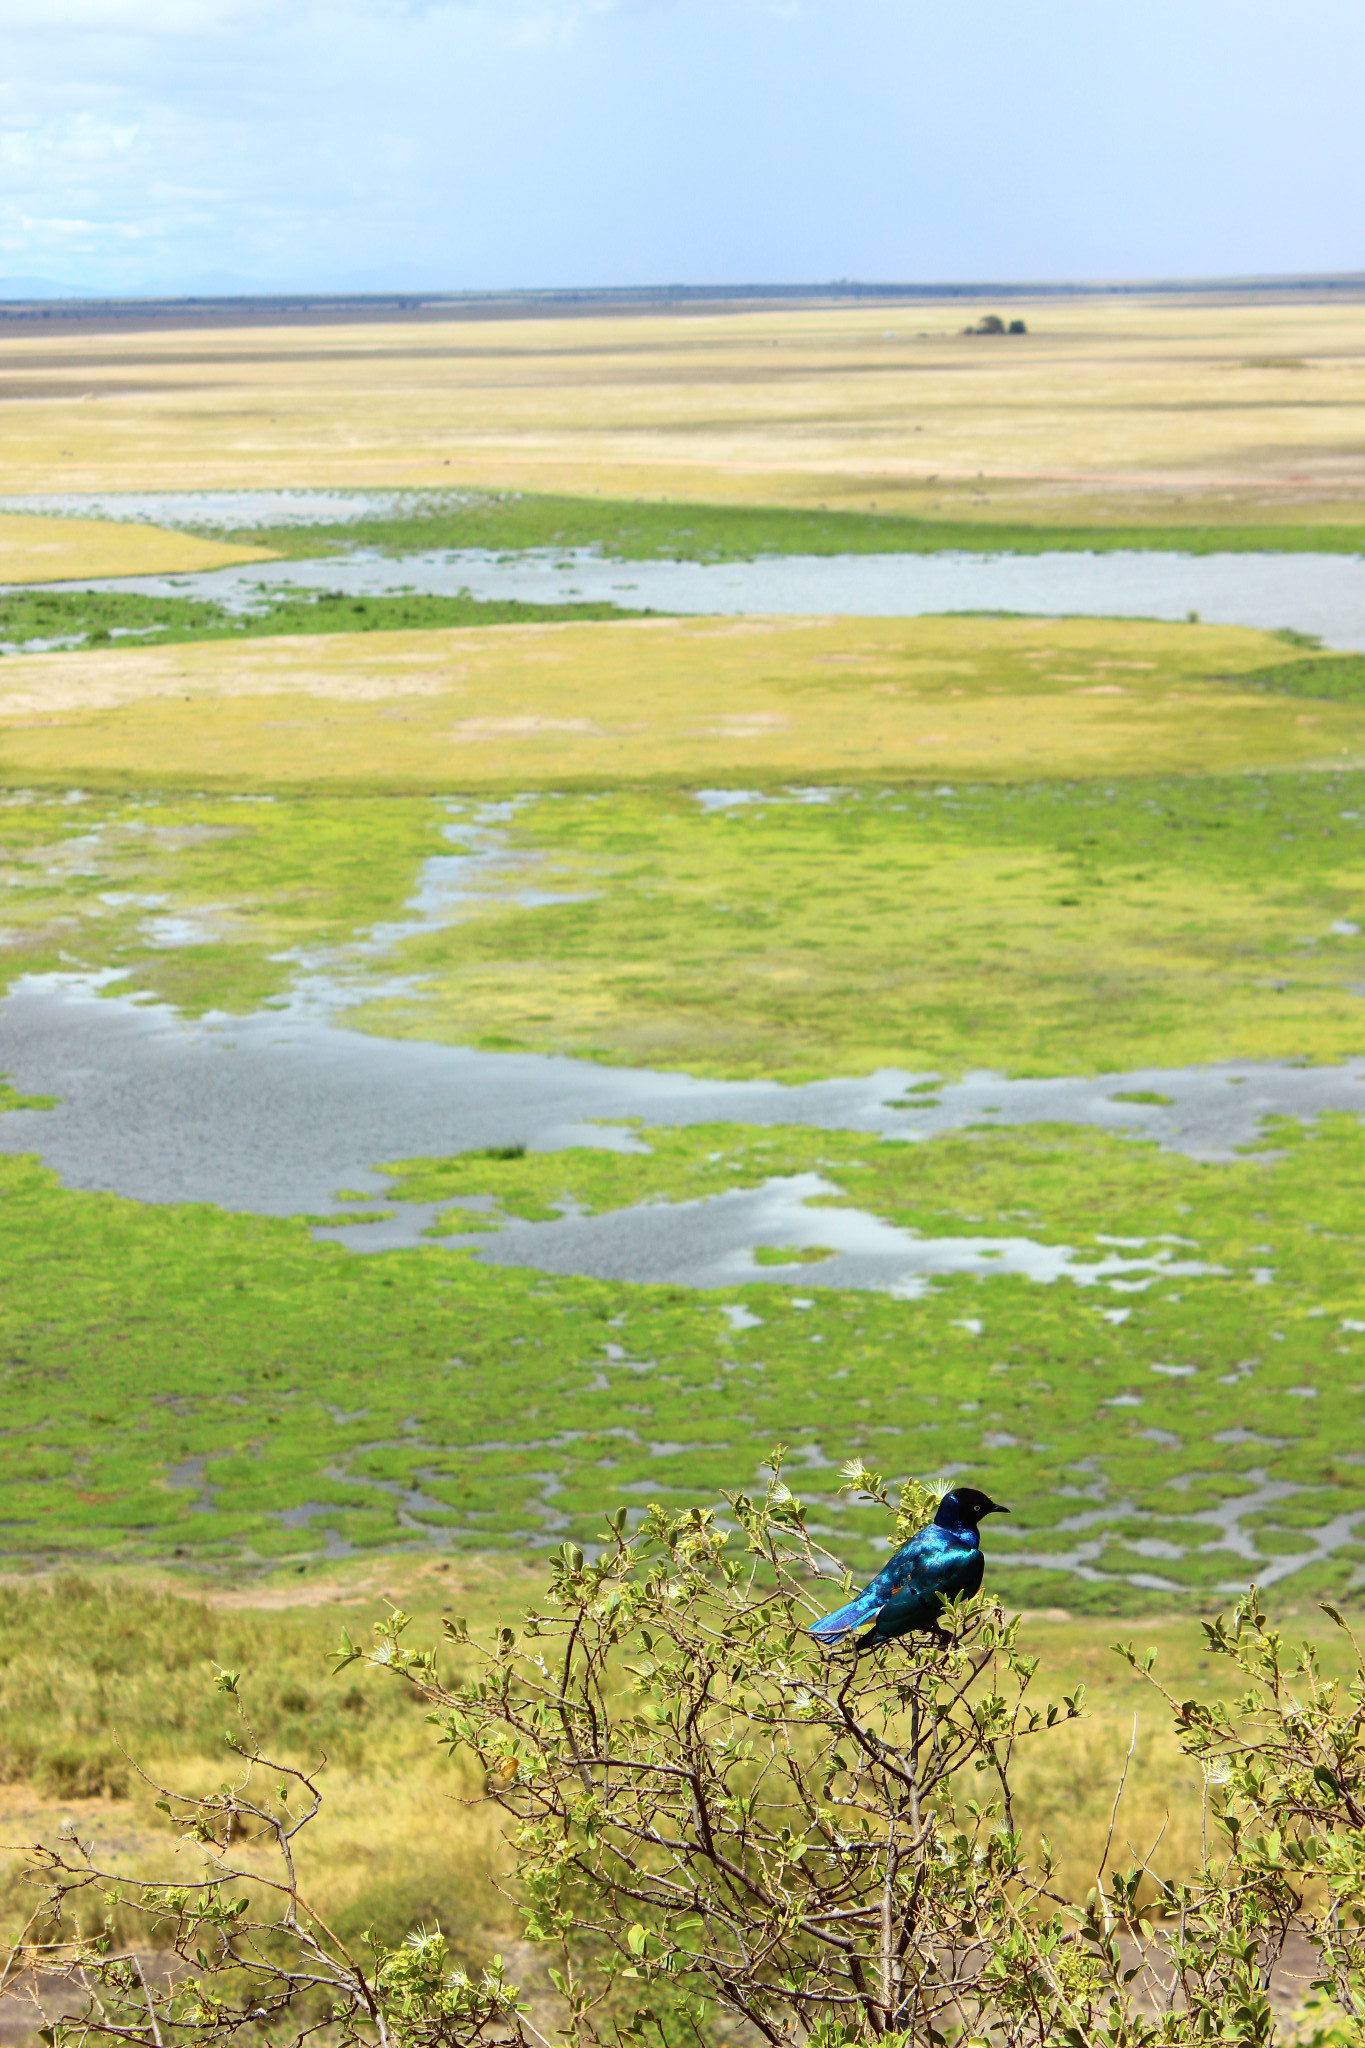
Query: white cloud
523, 20
137, 17
81, 139
505, 142
532, 26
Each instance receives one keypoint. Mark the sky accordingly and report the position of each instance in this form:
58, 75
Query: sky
166, 146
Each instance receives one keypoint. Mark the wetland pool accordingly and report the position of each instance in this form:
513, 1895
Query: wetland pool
275, 1113
1318, 594
1311, 592
714, 1242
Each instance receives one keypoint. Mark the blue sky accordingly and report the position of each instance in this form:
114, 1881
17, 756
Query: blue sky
180, 145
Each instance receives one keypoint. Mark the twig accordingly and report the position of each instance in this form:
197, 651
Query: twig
1113, 1817
147, 1994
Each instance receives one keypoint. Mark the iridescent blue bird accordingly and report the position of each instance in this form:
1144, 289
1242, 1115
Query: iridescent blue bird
937, 1564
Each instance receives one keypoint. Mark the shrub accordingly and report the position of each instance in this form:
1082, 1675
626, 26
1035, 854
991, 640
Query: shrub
711, 1815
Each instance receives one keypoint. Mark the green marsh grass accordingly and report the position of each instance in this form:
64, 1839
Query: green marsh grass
185, 1386
98, 618
1329, 676
1040, 928
1043, 928
1036, 928
636, 529
87, 880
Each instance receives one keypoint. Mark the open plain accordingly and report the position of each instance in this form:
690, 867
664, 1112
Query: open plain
911, 856
1219, 410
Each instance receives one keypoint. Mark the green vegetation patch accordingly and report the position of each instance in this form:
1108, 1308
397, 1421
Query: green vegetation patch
1338, 676
208, 903
1032, 929
1035, 929
11, 1099
640, 530
184, 1384
791, 1254
101, 618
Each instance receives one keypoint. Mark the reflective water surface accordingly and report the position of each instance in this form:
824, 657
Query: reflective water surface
275, 1112
1318, 594
1322, 594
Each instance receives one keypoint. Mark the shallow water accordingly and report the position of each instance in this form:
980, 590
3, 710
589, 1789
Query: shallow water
1313, 593
273, 1113
711, 1242
1318, 594
226, 509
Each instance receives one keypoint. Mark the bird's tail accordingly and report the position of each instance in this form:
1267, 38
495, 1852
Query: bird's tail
844, 1620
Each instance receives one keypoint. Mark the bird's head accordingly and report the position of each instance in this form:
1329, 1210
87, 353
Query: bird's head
964, 1507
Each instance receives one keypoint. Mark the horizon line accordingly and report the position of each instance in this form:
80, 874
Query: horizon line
434, 301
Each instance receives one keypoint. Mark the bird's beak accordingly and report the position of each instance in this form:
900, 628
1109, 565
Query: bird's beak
996, 1509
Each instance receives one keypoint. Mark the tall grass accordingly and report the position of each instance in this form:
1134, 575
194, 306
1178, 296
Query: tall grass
106, 1687
104, 1680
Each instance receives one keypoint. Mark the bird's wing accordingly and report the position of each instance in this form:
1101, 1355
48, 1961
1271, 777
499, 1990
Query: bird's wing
936, 1573
910, 1608
923, 1572
906, 1566
898, 1572
844, 1619
949, 1569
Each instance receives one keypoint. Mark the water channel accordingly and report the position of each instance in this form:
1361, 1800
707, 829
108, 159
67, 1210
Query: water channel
1321, 594
274, 1113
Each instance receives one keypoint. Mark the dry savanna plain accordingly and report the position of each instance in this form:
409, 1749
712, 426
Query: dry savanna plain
745, 849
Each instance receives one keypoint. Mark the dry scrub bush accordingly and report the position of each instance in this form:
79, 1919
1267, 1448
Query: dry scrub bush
715, 1824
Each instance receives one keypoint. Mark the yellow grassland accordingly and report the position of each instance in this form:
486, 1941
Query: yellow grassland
1105, 410
403, 1815
740, 700
38, 549
398, 1833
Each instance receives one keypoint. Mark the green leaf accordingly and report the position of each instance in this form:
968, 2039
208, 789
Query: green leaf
346, 1654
